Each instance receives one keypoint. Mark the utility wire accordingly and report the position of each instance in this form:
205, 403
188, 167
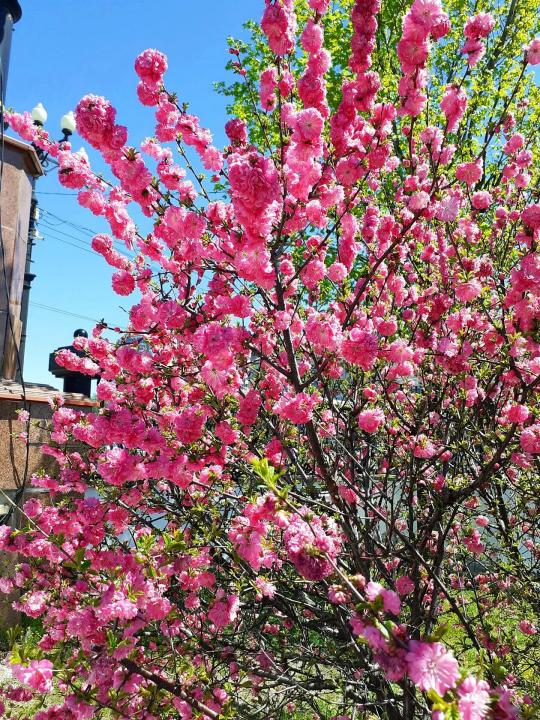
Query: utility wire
43, 192
54, 229
88, 232
85, 246
73, 245
59, 311
62, 221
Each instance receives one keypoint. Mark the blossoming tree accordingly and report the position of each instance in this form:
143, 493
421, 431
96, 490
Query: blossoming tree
314, 470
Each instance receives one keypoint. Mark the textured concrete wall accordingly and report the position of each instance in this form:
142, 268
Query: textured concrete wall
8, 616
13, 450
12, 472
15, 465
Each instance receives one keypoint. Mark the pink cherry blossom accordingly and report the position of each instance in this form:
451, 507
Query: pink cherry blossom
530, 439
431, 667
37, 674
123, 282
481, 200
474, 699
311, 543
469, 173
453, 105
533, 52
518, 413
468, 291
404, 585
370, 420
224, 611
531, 216
279, 24
150, 66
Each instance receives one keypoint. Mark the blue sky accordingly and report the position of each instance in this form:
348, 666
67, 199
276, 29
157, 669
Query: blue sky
63, 49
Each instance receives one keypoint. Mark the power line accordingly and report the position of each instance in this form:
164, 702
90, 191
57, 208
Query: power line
43, 192
54, 228
73, 245
86, 247
76, 226
80, 228
83, 241
59, 311
78, 244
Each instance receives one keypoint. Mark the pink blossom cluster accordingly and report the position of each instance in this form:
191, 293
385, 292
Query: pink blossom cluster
312, 544
364, 23
249, 533
96, 124
255, 191
423, 21
150, 66
532, 53
305, 148
476, 29
279, 26
37, 674
453, 105
311, 84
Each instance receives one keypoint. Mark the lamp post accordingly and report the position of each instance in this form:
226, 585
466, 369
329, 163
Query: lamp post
68, 127
39, 115
68, 124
